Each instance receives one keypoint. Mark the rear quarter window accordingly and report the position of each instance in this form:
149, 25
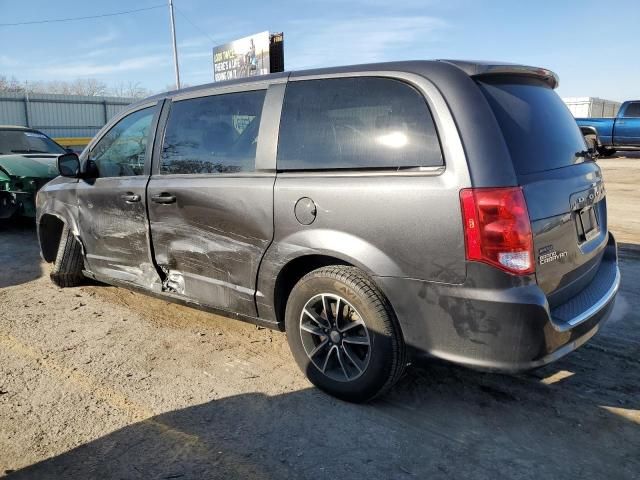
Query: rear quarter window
539, 130
355, 123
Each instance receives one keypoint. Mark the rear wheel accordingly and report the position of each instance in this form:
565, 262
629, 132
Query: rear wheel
67, 268
592, 141
343, 334
606, 152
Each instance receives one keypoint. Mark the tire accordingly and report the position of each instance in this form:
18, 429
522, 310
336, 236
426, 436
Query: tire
606, 152
334, 357
67, 268
592, 141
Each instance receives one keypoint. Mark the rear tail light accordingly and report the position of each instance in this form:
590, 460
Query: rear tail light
497, 229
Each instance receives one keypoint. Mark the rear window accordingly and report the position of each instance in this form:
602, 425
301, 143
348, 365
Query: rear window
355, 123
539, 130
633, 110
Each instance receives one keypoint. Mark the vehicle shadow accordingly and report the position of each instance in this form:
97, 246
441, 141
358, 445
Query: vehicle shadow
19, 252
631, 249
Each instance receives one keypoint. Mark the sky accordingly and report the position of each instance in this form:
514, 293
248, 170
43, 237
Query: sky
592, 45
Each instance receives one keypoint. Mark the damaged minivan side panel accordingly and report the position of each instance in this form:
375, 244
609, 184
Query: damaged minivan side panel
210, 195
348, 203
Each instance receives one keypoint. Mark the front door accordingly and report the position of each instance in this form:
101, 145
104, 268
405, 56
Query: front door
113, 221
627, 127
210, 207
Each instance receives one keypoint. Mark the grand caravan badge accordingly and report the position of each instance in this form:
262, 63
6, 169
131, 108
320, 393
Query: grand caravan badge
548, 254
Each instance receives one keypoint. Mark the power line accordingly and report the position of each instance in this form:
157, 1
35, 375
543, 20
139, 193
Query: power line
194, 25
71, 19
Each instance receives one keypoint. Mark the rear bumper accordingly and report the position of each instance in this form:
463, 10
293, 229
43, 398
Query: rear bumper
495, 321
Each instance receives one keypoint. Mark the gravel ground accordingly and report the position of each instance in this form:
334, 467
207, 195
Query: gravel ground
622, 181
100, 382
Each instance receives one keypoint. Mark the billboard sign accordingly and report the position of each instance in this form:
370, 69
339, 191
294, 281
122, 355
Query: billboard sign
250, 56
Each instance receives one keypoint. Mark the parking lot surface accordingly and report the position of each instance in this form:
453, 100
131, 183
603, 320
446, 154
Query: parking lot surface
622, 181
100, 382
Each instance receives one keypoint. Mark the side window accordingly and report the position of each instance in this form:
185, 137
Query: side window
364, 122
633, 110
121, 152
215, 134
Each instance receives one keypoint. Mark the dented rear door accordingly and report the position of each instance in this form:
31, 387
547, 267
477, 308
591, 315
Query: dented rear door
210, 197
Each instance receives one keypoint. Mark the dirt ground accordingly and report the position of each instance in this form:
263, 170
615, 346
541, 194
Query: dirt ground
622, 182
99, 382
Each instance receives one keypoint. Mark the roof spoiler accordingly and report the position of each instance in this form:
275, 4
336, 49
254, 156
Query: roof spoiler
476, 69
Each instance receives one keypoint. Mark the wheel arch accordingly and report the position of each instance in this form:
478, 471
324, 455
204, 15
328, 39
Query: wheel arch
296, 268
292, 272
589, 130
50, 227
290, 258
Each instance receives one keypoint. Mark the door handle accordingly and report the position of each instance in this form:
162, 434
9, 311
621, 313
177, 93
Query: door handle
130, 197
164, 197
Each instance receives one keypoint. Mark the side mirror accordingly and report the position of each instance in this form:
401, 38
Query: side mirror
69, 165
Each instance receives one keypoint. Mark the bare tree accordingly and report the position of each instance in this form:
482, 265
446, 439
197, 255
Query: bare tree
54, 86
130, 90
88, 86
82, 86
9, 84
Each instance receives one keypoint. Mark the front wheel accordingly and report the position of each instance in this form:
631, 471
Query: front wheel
343, 334
67, 268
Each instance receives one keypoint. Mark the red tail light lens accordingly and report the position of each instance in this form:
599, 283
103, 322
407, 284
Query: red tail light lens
497, 228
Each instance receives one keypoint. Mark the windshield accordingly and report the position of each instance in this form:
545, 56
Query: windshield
21, 141
538, 127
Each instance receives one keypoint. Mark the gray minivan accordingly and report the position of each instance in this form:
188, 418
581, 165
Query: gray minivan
377, 213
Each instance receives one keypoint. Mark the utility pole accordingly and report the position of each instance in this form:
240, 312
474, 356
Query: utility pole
27, 109
175, 46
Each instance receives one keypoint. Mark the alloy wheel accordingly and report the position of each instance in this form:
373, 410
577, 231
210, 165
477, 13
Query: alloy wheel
335, 337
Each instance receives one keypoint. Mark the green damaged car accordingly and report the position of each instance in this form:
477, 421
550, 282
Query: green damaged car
28, 160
